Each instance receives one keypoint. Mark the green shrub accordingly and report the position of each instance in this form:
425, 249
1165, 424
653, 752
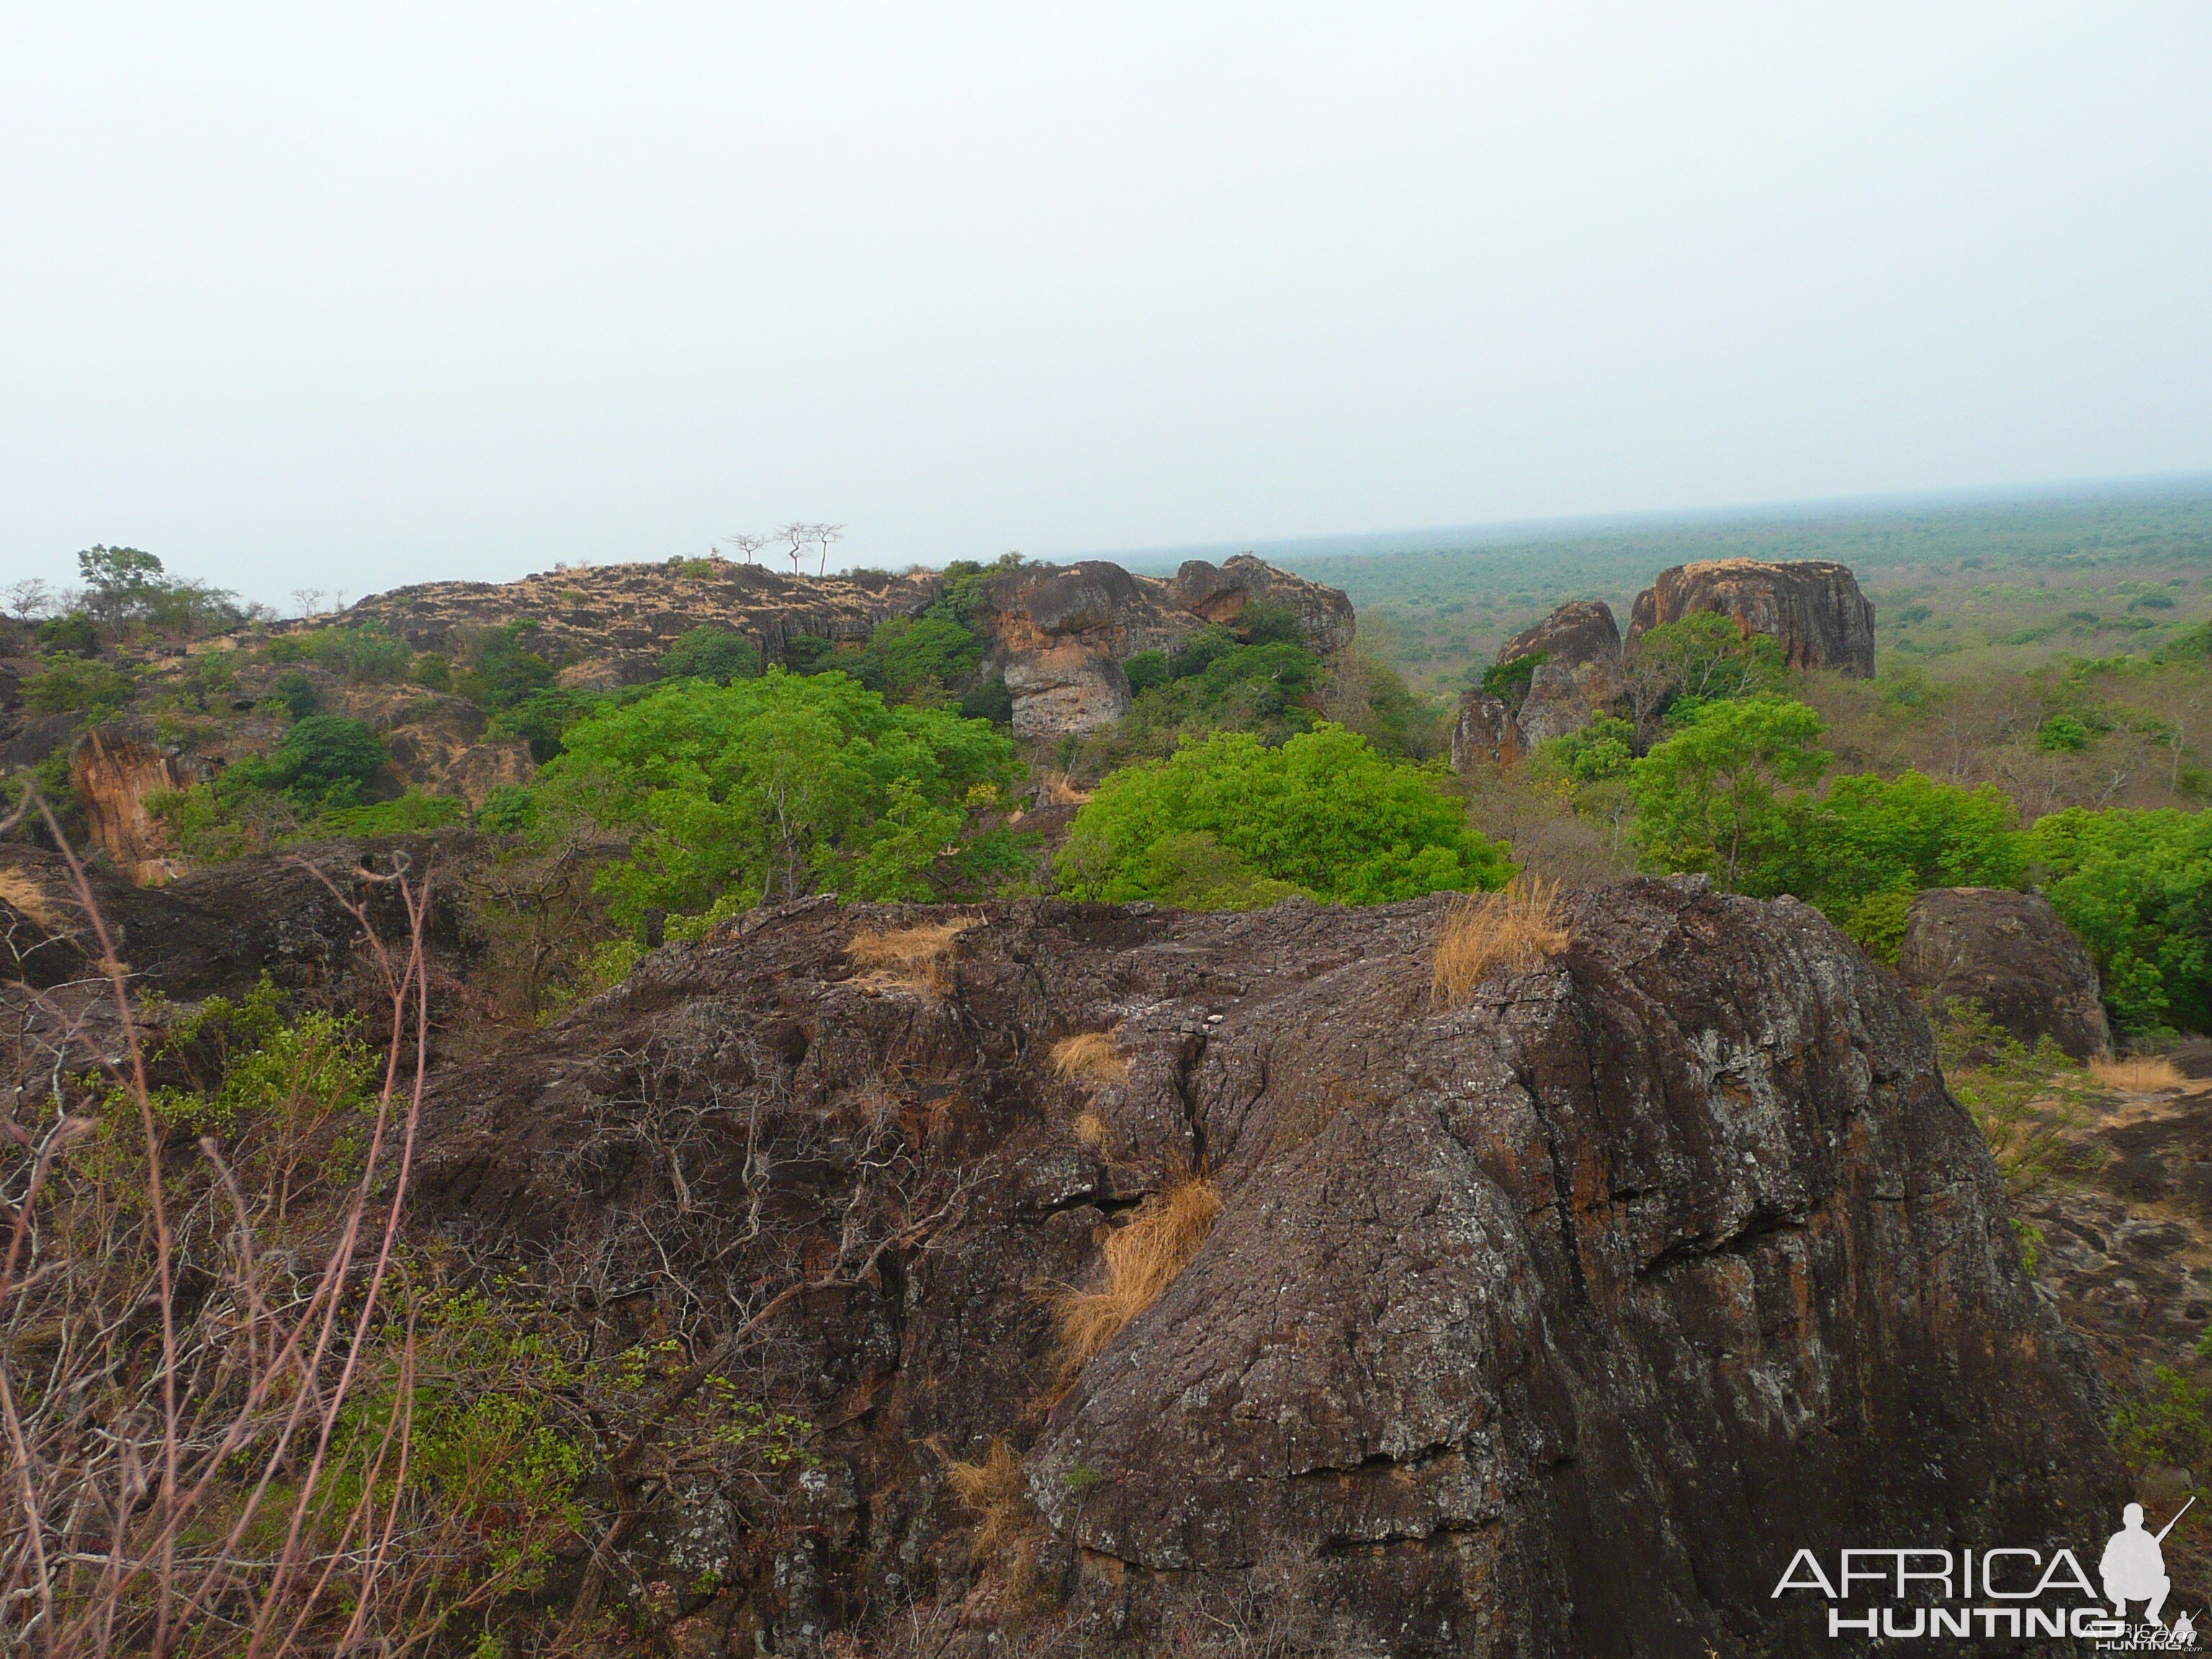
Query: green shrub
509, 809
1509, 682
916, 659
68, 683
504, 667
988, 699
775, 787
2137, 885
298, 693
1266, 620
542, 718
1878, 921
1871, 835
712, 653
363, 652
1602, 751
73, 636
325, 762
2061, 734
411, 814
1323, 812
808, 653
432, 671
1146, 670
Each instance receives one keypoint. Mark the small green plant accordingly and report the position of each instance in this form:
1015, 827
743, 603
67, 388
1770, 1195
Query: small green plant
2170, 1422
2061, 734
64, 685
2030, 1103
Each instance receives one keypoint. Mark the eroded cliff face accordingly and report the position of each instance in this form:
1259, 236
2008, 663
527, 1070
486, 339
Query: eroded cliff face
1813, 608
117, 772
1551, 1324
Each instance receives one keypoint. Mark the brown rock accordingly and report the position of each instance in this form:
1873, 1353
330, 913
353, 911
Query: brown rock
1562, 697
1485, 734
1550, 1325
115, 771
1579, 632
1218, 594
1811, 607
1059, 633
2011, 953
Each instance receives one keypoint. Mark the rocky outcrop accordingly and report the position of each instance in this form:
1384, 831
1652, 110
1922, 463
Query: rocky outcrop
1578, 634
1563, 696
611, 624
115, 771
1485, 734
1218, 594
2009, 952
1059, 633
1549, 1325
1811, 607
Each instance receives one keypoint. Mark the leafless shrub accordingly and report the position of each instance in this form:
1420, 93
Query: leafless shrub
1518, 929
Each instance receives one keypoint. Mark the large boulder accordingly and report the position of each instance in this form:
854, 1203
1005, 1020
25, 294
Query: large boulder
1058, 633
1812, 608
1218, 594
2009, 952
1485, 734
1551, 1324
1579, 632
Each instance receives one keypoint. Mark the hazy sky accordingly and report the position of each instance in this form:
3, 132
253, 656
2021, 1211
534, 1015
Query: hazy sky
312, 294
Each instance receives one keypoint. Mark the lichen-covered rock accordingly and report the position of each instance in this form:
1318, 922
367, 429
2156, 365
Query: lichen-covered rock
1549, 1325
1812, 608
1579, 632
1485, 733
2009, 952
1563, 696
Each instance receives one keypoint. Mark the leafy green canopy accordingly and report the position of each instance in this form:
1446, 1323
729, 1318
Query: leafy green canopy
504, 667
775, 788
712, 653
2137, 885
1323, 812
325, 761
1709, 798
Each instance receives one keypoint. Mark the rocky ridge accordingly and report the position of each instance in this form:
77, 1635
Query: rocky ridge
1533, 1326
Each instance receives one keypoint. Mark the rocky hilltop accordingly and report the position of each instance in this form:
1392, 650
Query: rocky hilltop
1058, 632
1549, 1324
1583, 665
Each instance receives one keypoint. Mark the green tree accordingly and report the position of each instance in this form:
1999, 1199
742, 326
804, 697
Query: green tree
917, 659
774, 788
1707, 798
2137, 885
1323, 812
1872, 834
712, 653
543, 718
1703, 658
325, 762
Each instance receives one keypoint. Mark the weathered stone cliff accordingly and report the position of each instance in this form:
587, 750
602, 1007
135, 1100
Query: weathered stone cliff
1811, 607
1551, 1324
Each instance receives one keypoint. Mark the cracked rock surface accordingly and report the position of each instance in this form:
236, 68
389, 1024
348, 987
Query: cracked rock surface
1551, 1324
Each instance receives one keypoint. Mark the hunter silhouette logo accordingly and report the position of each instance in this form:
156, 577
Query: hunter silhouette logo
2134, 1567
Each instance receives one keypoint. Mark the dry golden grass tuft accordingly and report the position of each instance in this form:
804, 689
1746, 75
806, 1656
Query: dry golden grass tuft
19, 889
1090, 1058
992, 1491
1091, 1129
1058, 792
1142, 1260
910, 959
1516, 929
2139, 1074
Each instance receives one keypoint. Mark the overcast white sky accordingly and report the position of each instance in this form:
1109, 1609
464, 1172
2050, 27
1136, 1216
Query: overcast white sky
310, 294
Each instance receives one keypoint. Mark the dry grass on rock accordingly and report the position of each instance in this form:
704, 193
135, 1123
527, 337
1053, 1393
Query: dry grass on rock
1143, 1258
908, 958
1518, 928
2139, 1074
19, 889
1090, 1058
991, 1491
